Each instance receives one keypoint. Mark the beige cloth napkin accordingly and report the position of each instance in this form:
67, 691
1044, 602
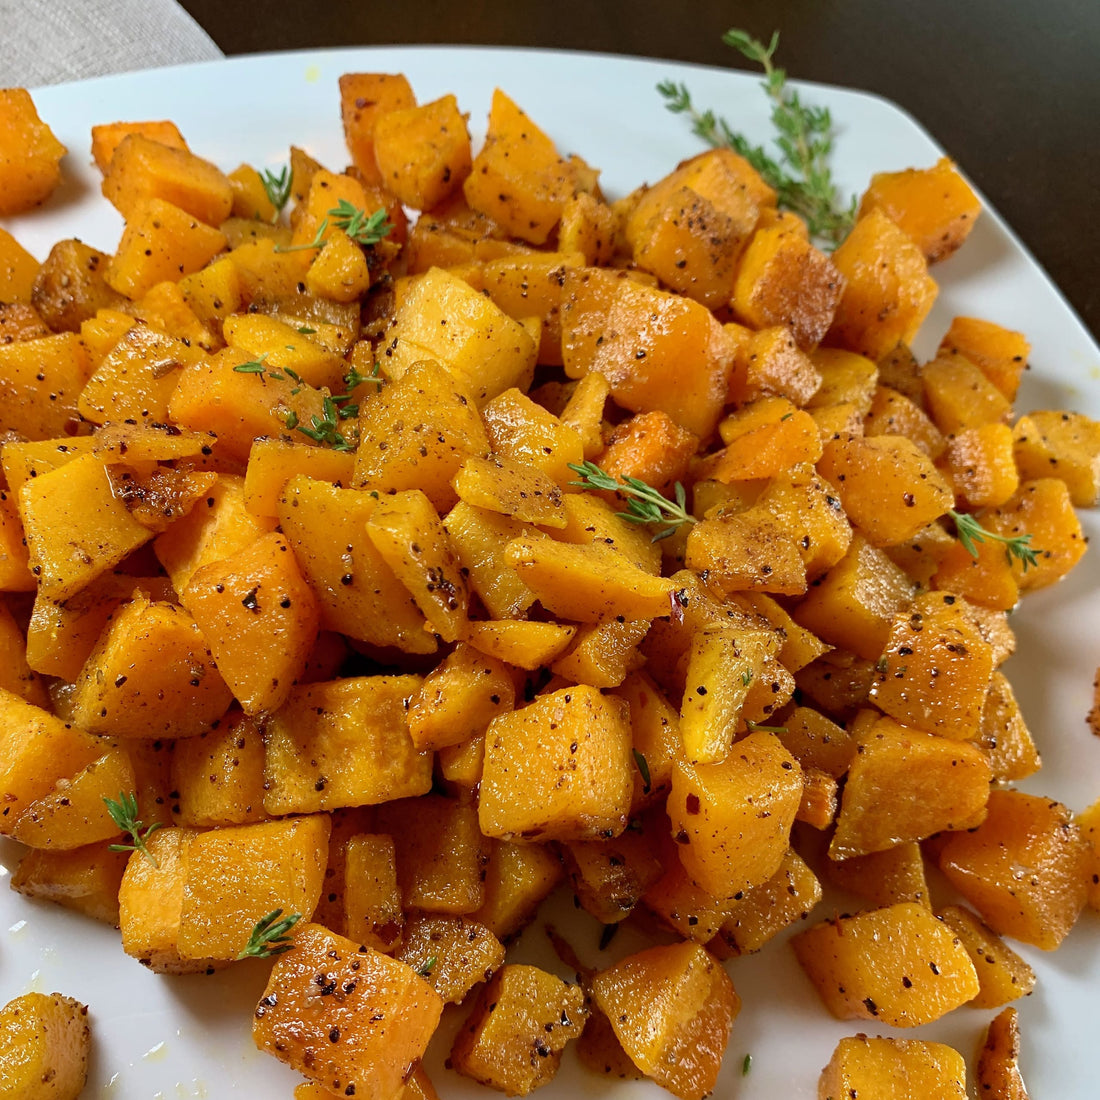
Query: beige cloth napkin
51, 41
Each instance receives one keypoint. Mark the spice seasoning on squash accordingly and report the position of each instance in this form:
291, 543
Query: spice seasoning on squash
775, 607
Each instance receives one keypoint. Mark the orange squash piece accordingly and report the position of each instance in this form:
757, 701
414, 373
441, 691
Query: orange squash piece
30, 155
364, 98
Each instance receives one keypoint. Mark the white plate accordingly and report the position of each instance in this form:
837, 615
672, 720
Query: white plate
181, 1038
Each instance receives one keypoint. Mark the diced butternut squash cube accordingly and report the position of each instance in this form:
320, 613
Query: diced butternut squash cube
218, 776
142, 169
18, 270
160, 242
998, 1071
727, 844
45, 1046
559, 768
656, 349
999, 353
259, 618
480, 345
672, 1009
1025, 868
373, 913
439, 428
382, 1019
151, 901
898, 965
763, 439
441, 854
344, 743
788, 896
358, 592
74, 813
958, 395
904, 785
519, 179
894, 413
884, 878
453, 953
934, 207
903, 1069
887, 484
1042, 509
1003, 975
525, 644
422, 153
150, 675
459, 698
888, 291
935, 668
30, 154
609, 877
40, 383
783, 280
86, 880
517, 879
107, 137
980, 466
238, 875
273, 462
722, 666
603, 653
521, 430
512, 488
364, 99
1060, 444
519, 1025
76, 527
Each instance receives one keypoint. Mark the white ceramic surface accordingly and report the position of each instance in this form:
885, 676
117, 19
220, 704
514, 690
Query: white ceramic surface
189, 1038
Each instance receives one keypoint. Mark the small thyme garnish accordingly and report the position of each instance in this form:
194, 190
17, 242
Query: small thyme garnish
643, 770
801, 176
253, 366
277, 186
428, 967
324, 430
363, 228
746, 677
746, 1065
270, 936
970, 532
124, 813
645, 504
754, 726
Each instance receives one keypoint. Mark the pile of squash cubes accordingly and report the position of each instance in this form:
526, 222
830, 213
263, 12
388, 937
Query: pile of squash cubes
293, 550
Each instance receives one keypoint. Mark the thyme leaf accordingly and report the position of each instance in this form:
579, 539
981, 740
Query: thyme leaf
645, 505
270, 936
124, 813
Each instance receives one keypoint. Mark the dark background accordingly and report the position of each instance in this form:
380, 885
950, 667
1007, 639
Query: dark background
1011, 88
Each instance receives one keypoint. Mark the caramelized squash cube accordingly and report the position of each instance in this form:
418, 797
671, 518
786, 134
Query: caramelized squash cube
1002, 974
343, 743
935, 668
672, 1009
558, 769
733, 819
40, 384
898, 965
1066, 445
999, 353
86, 880
45, 1044
1025, 868
903, 1069
958, 395
934, 207
259, 618
30, 154
518, 878
454, 953
373, 913
517, 1029
888, 291
382, 1019
904, 785
237, 876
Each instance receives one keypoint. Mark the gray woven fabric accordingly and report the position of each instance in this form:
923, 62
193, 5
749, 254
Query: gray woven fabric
51, 41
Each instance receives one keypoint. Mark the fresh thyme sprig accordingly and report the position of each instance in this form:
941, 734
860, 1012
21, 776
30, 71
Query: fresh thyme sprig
645, 505
428, 966
363, 228
643, 770
970, 531
801, 175
270, 936
325, 429
124, 813
277, 186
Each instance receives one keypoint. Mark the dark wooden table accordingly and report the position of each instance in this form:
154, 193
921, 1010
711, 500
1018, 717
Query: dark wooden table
1010, 88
